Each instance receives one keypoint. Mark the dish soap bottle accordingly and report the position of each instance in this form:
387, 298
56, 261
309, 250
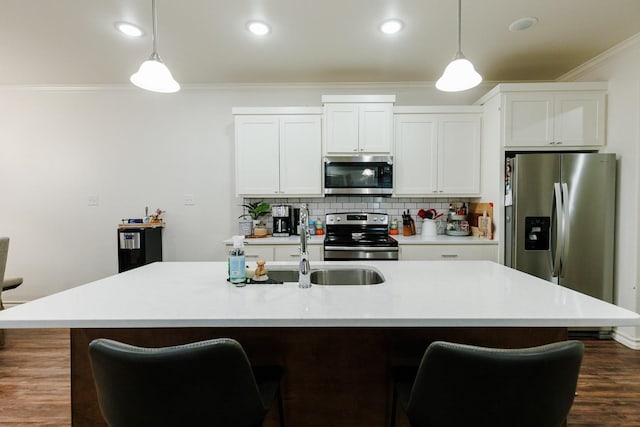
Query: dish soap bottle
237, 262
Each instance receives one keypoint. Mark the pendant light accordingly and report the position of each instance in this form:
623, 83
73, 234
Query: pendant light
153, 75
460, 74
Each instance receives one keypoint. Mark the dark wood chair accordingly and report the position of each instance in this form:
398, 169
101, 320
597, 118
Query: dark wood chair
208, 383
464, 385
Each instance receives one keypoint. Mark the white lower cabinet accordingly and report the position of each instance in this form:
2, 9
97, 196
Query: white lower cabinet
448, 252
252, 253
292, 252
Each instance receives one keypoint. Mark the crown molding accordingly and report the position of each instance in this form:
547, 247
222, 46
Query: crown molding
630, 43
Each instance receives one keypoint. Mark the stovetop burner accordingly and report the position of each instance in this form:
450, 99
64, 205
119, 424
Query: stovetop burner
359, 236
358, 229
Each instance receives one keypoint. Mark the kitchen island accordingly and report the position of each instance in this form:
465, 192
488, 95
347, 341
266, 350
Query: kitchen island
336, 342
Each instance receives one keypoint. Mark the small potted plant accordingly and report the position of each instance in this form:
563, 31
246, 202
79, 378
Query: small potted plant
256, 211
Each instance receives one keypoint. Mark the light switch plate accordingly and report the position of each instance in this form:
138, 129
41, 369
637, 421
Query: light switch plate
188, 200
92, 200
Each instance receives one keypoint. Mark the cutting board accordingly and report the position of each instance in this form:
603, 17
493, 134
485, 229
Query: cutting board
475, 212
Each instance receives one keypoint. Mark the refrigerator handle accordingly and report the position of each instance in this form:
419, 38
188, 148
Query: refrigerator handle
565, 228
557, 210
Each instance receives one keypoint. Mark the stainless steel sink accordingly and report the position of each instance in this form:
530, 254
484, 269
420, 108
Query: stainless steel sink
288, 275
347, 276
331, 275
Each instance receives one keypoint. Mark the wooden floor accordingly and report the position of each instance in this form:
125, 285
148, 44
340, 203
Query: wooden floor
35, 385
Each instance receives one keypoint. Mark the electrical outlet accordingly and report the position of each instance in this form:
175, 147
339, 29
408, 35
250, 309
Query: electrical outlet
188, 200
92, 200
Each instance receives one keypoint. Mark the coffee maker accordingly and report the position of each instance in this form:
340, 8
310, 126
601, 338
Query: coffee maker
281, 215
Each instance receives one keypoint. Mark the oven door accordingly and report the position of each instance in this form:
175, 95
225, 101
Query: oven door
354, 253
358, 175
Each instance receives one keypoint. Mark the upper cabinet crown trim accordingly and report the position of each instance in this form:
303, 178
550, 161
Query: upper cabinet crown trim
543, 87
276, 110
358, 98
438, 109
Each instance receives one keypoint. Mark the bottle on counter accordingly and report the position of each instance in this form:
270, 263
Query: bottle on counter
319, 227
312, 227
237, 262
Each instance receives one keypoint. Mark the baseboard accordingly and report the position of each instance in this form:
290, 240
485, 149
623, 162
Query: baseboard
626, 340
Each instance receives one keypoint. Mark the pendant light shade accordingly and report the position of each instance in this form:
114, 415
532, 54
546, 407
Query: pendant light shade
153, 75
460, 74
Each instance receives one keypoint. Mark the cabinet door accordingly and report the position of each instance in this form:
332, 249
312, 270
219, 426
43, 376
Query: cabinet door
300, 155
579, 119
375, 128
528, 119
342, 128
415, 157
292, 252
253, 253
257, 155
459, 154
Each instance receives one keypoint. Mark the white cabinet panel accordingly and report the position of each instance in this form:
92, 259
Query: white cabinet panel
300, 155
459, 155
292, 252
556, 119
257, 142
579, 119
342, 128
354, 128
252, 253
437, 154
449, 252
415, 154
278, 155
375, 128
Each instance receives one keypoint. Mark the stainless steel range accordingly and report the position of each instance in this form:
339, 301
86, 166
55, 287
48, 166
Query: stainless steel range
359, 236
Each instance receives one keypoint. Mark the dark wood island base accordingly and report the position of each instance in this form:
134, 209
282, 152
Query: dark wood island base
333, 376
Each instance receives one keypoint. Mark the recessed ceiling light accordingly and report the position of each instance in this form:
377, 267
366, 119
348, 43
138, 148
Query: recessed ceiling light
523, 23
128, 29
392, 26
258, 28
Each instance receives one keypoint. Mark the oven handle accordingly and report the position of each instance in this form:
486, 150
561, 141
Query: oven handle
362, 248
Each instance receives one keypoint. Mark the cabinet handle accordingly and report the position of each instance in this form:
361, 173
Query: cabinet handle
246, 255
449, 255
558, 142
355, 149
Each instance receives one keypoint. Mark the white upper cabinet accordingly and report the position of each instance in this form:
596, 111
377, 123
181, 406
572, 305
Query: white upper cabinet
437, 154
364, 126
554, 119
278, 155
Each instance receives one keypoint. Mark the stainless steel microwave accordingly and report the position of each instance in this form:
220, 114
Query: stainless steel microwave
358, 175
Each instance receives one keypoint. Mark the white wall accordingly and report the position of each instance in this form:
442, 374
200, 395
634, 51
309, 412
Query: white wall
132, 149
621, 67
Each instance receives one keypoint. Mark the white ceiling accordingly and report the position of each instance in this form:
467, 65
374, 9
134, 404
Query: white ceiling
205, 41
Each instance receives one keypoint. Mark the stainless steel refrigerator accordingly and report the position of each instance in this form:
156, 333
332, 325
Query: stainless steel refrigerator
559, 219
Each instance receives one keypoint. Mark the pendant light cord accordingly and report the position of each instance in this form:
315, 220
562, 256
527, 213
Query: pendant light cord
459, 53
155, 24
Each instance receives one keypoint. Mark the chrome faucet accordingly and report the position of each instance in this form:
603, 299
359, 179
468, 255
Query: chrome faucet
304, 269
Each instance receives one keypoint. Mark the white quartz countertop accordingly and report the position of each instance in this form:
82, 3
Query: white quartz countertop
403, 240
415, 294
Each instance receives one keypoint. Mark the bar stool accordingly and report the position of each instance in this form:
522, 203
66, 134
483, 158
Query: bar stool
199, 384
464, 385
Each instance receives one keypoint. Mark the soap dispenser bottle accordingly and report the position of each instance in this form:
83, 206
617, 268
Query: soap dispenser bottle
237, 262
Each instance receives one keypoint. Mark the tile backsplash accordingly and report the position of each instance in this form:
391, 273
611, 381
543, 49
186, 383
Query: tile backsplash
393, 206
